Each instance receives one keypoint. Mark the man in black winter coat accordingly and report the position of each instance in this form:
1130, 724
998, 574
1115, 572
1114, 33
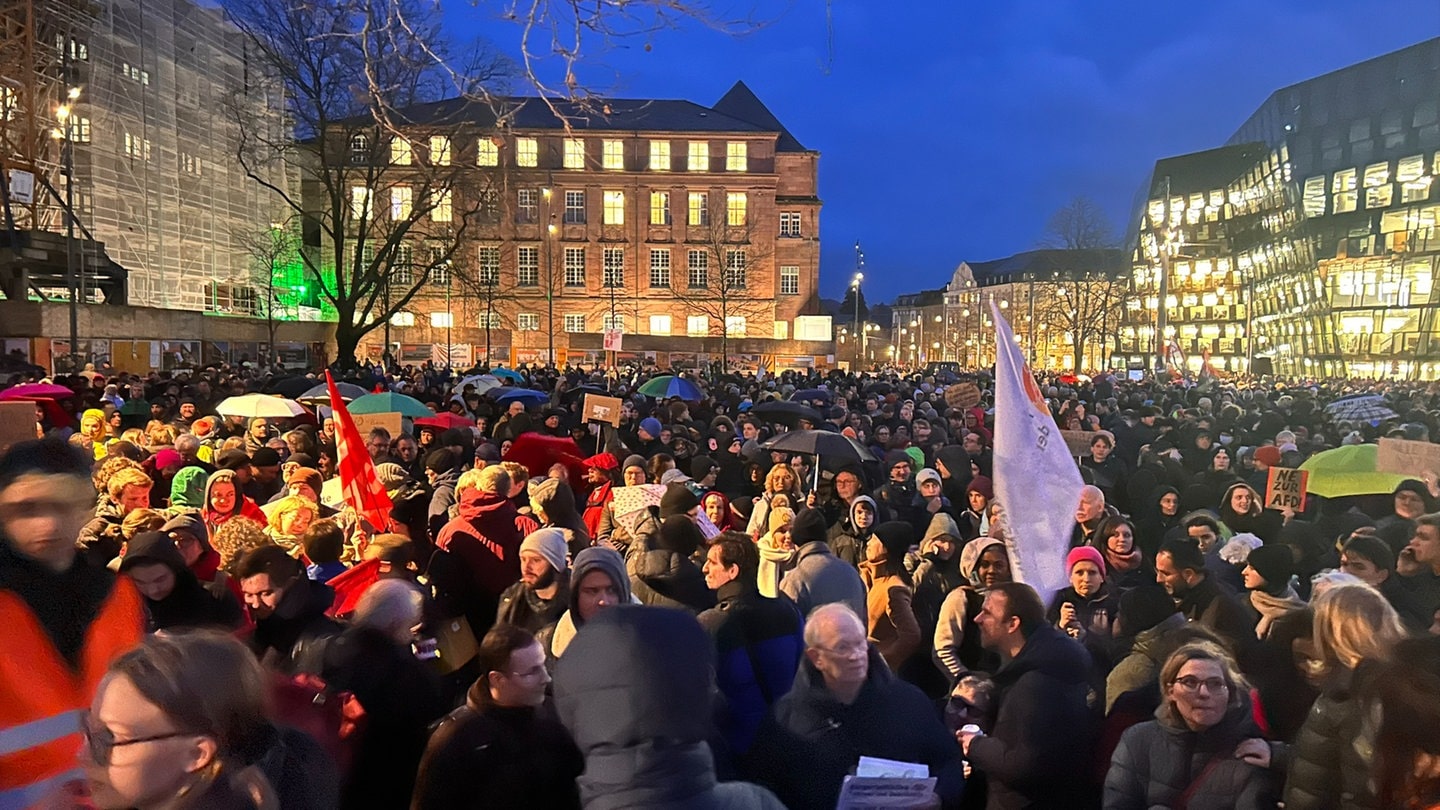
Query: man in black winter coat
1180, 568
1039, 749
291, 628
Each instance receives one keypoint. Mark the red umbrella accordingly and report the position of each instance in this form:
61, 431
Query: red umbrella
37, 391
443, 421
57, 415
536, 452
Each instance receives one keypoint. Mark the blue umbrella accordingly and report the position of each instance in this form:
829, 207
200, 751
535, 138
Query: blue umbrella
529, 396
668, 385
507, 374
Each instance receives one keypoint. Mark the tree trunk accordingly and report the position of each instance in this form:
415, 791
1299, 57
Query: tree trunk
347, 336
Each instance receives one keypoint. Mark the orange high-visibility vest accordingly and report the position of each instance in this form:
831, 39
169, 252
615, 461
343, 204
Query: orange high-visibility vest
42, 698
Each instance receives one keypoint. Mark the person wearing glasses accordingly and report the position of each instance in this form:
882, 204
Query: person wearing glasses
1203, 749
502, 749
846, 703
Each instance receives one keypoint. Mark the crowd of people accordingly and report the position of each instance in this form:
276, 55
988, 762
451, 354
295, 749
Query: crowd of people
671, 613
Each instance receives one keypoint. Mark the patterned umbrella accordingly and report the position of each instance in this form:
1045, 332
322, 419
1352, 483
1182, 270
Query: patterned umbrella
668, 385
1360, 409
631, 503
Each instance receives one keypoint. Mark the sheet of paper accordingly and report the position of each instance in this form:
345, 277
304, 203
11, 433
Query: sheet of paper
889, 768
866, 792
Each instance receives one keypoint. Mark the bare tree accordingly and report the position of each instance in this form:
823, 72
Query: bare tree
271, 252
725, 254
1080, 225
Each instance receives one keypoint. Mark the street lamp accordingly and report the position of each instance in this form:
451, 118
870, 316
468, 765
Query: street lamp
67, 156
550, 231
855, 289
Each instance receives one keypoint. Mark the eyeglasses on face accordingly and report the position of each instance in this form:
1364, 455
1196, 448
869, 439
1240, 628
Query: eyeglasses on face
101, 742
1192, 685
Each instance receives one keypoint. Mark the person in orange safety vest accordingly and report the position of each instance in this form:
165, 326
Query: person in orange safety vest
64, 620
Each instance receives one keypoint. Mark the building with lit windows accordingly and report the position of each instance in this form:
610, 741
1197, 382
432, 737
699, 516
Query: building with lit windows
1308, 244
666, 220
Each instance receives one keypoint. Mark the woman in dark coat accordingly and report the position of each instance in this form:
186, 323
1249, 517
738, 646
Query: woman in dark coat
1243, 510
1162, 513
665, 575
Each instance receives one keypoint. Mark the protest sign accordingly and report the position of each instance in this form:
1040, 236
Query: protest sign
1285, 489
364, 422
1405, 457
602, 409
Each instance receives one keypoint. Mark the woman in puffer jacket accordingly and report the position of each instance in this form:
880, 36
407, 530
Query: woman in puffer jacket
1203, 751
1355, 630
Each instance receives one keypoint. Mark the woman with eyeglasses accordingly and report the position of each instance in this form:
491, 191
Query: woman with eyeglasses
1203, 749
169, 723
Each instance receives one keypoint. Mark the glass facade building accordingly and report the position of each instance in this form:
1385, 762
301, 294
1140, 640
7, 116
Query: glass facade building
1308, 244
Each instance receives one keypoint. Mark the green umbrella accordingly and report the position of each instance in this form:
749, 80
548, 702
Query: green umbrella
1348, 470
390, 402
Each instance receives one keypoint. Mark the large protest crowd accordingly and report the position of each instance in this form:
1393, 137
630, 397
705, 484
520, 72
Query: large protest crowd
665, 611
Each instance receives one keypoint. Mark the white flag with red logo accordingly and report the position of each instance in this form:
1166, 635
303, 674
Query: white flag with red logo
363, 490
1036, 480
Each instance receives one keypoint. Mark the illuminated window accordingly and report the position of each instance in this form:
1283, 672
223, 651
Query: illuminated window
789, 279
613, 274
527, 266
1315, 196
489, 275
1414, 183
487, 152
440, 270
359, 148
528, 322
697, 325
400, 152
402, 267
660, 267
614, 208
79, 129
575, 207
441, 320
659, 208
574, 267
735, 157
360, 199
699, 208
439, 150
495, 322
612, 155
610, 321
527, 152
1342, 184
735, 269
659, 156
735, 325
400, 202
697, 265
1378, 189
660, 324
527, 205
442, 211
574, 323
735, 205
790, 223
574, 153
699, 156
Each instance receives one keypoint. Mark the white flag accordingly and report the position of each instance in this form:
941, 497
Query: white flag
1036, 480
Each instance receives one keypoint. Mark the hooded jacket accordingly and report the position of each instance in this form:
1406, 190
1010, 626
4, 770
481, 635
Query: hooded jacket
1044, 688
635, 698
244, 507
845, 539
557, 500
596, 558
818, 740
477, 557
207, 567
663, 574
187, 489
189, 604
293, 638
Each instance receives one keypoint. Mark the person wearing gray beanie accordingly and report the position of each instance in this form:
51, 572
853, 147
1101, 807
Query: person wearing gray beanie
542, 595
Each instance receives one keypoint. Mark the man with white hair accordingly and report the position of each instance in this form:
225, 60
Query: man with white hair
1091, 512
846, 704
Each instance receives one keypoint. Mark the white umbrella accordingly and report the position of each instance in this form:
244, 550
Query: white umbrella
254, 406
484, 384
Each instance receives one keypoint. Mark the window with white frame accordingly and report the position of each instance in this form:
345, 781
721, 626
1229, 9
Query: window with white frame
699, 156
443, 212
735, 262
137, 147
1342, 184
494, 320
660, 325
659, 156
736, 203
1314, 196
789, 279
574, 157
790, 223
697, 325
660, 268
79, 129
441, 320
574, 267
527, 266
439, 270
527, 152
401, 202
574, 323
403, 319
782, 330
487, 152
699, 208
489, 275
736, 159
613, 321
439, 150
614, 267
190, 164
527, 322
400, 152
360, 199
697, 265
659, 208
402, 268
575, 207
735, 325
359, 148
527, 205
614, 211
612, 155
1379, 191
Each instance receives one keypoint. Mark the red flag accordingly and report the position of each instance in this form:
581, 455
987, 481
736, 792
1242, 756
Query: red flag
362, 488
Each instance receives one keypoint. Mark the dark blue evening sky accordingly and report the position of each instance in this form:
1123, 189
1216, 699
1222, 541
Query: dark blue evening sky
950, 130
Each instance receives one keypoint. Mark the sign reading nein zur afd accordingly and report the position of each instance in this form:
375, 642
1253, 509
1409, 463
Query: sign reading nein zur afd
1285, 489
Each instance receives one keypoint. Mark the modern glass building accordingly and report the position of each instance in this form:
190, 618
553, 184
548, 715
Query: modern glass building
1308, 244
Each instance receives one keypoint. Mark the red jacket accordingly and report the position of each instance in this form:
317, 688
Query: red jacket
595, 507
486, 539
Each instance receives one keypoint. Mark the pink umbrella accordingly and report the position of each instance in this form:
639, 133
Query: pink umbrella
37, 391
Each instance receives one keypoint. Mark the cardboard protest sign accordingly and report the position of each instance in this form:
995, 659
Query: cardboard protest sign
1405, 457
1285, 489
365, 421
1078, 441
602, 409
962, 395
17, 423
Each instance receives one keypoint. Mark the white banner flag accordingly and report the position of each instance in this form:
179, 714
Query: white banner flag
1036, 480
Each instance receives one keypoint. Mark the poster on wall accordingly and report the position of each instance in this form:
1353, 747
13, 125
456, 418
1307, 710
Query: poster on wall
214, 352
682, 360
496, 354
525, 355
18, 349
414, 353
176, 354
293, 355
90, 351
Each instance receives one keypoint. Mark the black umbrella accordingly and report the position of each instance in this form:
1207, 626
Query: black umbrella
290, 387
812, 395
783, 412
879, 388
579, 391
830, 446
